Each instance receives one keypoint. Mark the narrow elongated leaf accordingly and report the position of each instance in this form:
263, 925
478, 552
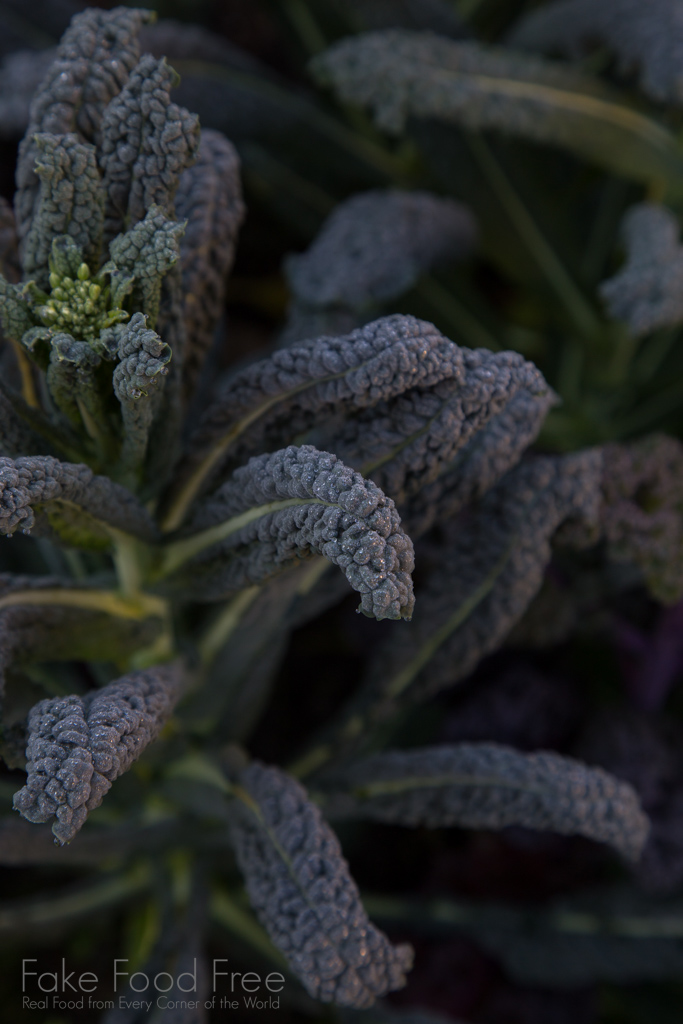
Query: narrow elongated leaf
138, 380
78, 746
82, 508
70, 202
519, 408
300, 887
282, 507
488, 575
276, 399
399, 74
209, 198
93, 60
647, 36
486, 785
146, 143
433, 436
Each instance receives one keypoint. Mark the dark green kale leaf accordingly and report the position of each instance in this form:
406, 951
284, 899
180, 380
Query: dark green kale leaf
283, 507
486, 785
78, 746
300, 887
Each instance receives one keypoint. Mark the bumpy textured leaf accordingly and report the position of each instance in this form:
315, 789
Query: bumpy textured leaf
146, 253
78, 505
209, 199
15, 313
284, 506
137, 378
146, 143
70, 202
486, 785
647, 292
94, 58
276, 399
642, 512
78, 746
488, 574
647, 36
71, 378
35, 626
516, 399
398, 74
374, 246
459, 436
299, 884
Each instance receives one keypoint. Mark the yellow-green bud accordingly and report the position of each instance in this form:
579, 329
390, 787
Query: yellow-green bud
55, 280
83, 272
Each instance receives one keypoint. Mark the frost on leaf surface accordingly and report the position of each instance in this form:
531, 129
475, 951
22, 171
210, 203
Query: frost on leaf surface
646, 36
300, 501
94, 58
398, 75
138, 381
78, 505
147, 142
647, 292
486, 785
209, 200
300, 887
506, 399
274, 400
488, 576
434, 449
78, 746
375, 245
70, 202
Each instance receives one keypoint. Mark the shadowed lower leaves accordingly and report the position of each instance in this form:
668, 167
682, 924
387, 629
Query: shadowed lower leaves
298, 883
486, 785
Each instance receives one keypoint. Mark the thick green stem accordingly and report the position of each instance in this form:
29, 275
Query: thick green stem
141, 607
578, 309
222, 627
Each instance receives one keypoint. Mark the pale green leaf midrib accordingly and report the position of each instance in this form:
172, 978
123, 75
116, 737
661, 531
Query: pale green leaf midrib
181, 551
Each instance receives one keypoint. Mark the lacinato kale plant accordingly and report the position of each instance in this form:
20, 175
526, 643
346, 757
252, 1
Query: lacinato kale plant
447, 393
